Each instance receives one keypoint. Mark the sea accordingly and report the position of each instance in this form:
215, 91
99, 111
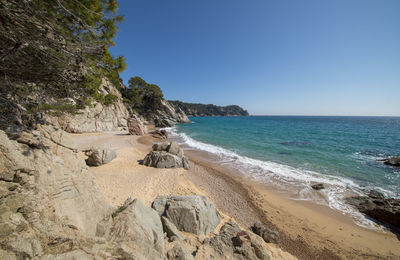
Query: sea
291, 153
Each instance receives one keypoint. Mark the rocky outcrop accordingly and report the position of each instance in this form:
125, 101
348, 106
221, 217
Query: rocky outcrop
166, 155
95, 118
194, 214
394, 161
136, 126
376, 206
97, 157
167, 115
268, 235
159, 134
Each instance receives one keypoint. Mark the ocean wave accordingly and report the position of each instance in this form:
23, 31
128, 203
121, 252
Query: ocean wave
287, 178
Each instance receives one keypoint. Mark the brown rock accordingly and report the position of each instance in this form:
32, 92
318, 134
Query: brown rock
136, 126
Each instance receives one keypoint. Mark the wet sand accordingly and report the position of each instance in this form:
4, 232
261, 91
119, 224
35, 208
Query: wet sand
308, 230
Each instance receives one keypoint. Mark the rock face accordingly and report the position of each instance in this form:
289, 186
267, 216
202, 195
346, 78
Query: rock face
376, 206
194, 214
167, 115
166, 155
97, 157
95, 118
394, 161
136, 126
160, 134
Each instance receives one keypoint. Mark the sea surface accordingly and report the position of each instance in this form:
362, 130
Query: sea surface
293, 152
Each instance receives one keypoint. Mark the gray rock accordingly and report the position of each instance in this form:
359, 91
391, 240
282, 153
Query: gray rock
161, 159
318, 186
97, 157
161, 146
269, 236
175, 149
179, 253
136, 126
185, 163
138, 224
171, 229
394, 161
161, 134
194, 214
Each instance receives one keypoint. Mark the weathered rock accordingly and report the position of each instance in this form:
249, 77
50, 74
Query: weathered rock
268, 235
95, 118
394, 161
376, 206
234, 243
318, 186
166, 155
136, 126
161, 159
179, 253
194, 214
161, 134
140, 225
97, 157
167, 115
171, 229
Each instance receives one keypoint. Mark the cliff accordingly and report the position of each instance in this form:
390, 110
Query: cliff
194, 109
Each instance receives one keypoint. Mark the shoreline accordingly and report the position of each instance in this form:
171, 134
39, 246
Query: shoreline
307, 230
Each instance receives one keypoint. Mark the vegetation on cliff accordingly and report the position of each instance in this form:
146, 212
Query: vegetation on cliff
54, 49
194, 109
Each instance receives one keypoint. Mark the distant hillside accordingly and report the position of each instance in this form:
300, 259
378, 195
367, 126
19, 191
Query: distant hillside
193, 109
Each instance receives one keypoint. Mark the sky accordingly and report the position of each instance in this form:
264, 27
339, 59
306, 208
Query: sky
272, 57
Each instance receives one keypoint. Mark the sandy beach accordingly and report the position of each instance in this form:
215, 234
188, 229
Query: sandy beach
307, 230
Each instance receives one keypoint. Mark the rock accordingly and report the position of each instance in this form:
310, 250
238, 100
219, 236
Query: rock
376, 206
140, 225
136, 126
394, 161
95, 118
194, 214
171, 229
269, 236
97, 157
161, 134
234, 243
179, 253
166, 155
162, 159
318, 186
167, 115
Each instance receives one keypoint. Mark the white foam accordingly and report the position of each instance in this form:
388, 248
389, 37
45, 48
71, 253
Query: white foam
285, 177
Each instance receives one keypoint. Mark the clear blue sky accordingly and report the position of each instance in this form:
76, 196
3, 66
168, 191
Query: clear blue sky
272, 57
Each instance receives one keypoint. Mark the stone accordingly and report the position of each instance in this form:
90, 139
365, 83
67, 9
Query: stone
140, 225
179, 253
160, 134
136, 126
161, 146
175, 149
318, 186
185, 163
194, 214
97, 157
378, 207
161, 159
394, 161
171, 229
268, 235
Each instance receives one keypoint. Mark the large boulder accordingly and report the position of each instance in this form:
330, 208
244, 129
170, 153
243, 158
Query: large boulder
269, 236
97, 157
166, 155
167, 115
136, 126
194, 214
376, 206
160, 134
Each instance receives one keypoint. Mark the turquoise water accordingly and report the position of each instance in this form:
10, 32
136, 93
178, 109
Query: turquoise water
340, 151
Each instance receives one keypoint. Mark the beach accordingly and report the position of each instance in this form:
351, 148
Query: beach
307, 230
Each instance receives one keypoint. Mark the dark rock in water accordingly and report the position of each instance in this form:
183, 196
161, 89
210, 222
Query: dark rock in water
269, 236
318, 186
394, 161
376, 206
97, 157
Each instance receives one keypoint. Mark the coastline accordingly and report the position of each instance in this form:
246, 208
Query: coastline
307, 230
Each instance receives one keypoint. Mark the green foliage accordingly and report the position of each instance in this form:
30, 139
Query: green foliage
142, 96
193, 109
